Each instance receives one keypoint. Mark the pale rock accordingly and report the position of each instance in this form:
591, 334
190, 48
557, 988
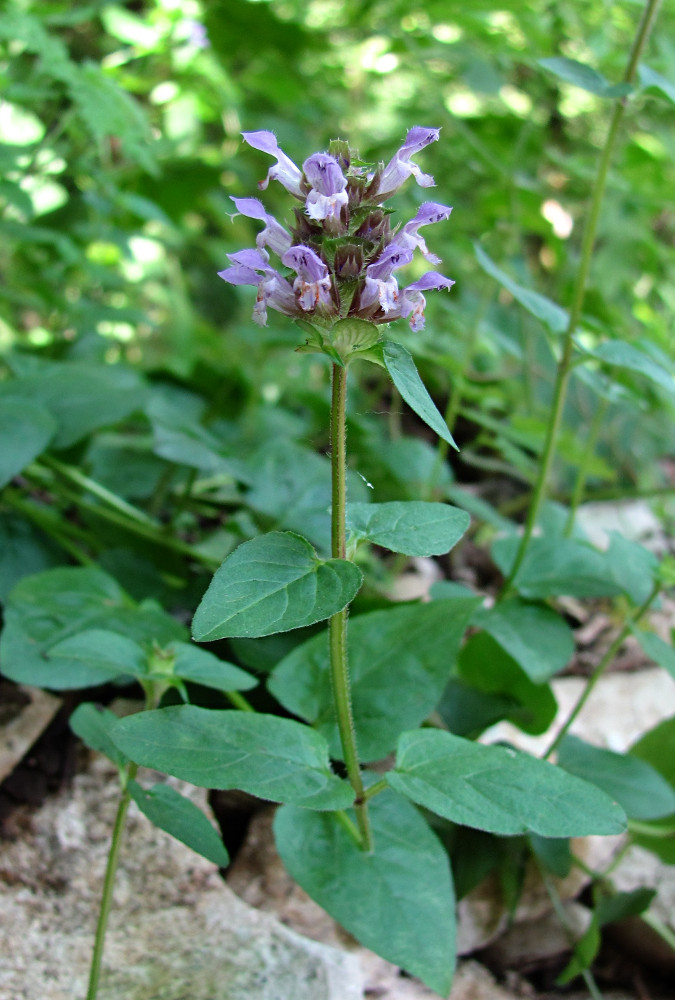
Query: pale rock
19, 733
176, 930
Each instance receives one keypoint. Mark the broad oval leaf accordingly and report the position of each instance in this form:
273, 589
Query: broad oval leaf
558, 566
399, 662
201, 667
656, 649
499, 789
400, 365
276, 759
641, 791
57, 604
26, 428
95, 656
93, 725
274, 583
413, 528
533, 635
173, 813
397, 901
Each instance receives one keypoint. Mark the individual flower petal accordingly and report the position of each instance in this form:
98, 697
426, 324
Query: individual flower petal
273, 290
285, 171
312, 286
427, 213
273, 235
400, 168
328, 184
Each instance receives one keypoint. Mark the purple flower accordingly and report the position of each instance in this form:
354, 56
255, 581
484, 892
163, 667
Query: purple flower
353, 276
427, 213
400, 168
285, 171
312, 285
381, 285
411, 301
273, 290
328, 184
273, 235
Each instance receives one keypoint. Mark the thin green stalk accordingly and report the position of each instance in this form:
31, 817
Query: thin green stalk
108, 884
78, 478
565, 363
337, 626
559, 909
601, 667
48, 525
582, 471
379, 786
239, 701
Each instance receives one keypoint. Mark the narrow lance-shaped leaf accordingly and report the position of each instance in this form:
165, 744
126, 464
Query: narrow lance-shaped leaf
400, 365
273, 583
544, 309
173, 813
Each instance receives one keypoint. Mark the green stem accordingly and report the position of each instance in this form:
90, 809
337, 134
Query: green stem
78, 478
565, 363
559, 909
108, 884
379, 786
49, 526
239, 701
601, 667
337, 626
582, 471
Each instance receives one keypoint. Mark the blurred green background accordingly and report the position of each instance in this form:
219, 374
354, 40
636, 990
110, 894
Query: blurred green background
120, 148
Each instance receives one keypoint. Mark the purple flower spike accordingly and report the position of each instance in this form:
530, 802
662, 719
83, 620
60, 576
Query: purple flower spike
400, 168
312, 286
273, 290
427, 213
285, 171
273, 235
328, 184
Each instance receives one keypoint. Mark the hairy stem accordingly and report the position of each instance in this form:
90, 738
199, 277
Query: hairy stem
337, 625
565, 363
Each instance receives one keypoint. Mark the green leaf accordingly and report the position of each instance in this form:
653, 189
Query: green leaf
558, 566
93, 725
274, 583
273, 758
548, 312
499, 789
581, 75
404, 374
638, 788
631, 566
657, 748
95, 656
49, 607
173, 813
585, 950
534, 636
609, 909
554, 852
650, 78
656, 649
81, 396
400, 660
413, 527
26, 428
486, 665
201, 667
397, 901
24, 550
622, 355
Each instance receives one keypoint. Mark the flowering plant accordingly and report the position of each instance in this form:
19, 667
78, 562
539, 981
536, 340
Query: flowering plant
342, 249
